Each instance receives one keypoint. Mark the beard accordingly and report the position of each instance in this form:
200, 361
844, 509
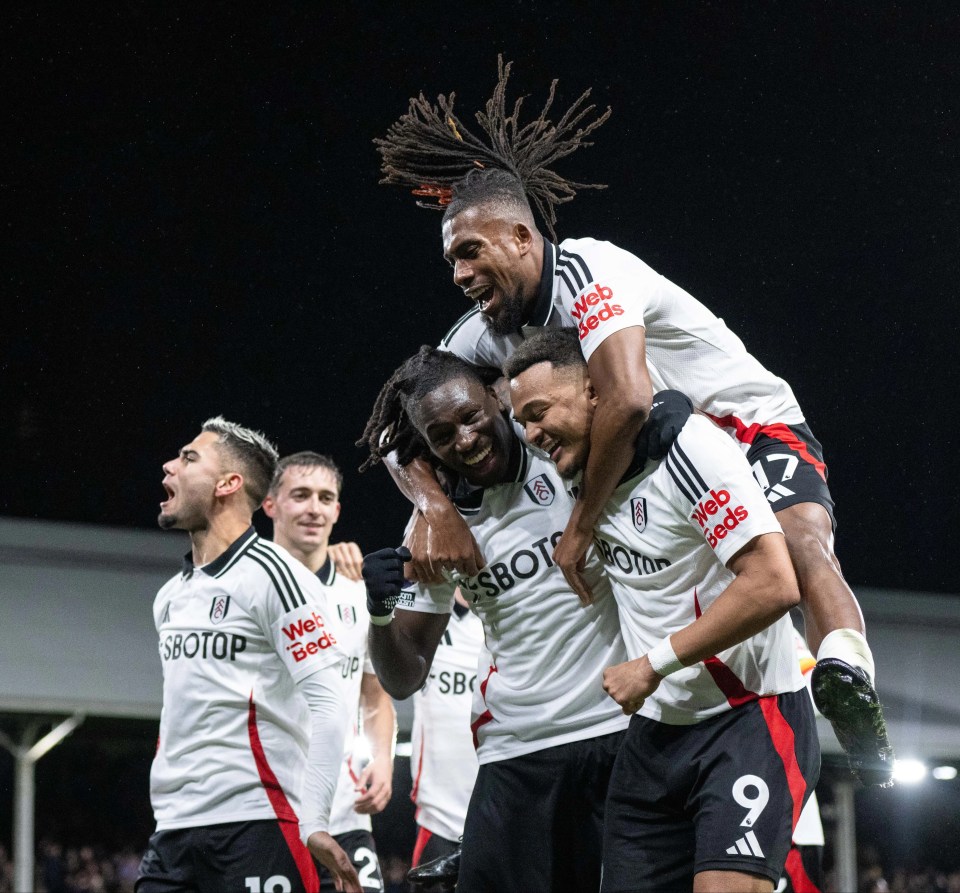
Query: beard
510, 316
166, 522
185, 517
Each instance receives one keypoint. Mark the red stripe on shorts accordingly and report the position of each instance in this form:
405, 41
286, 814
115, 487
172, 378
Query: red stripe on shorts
743, 433
783, 433
783, 741
799, 879
286, 817
423, 838
777, 431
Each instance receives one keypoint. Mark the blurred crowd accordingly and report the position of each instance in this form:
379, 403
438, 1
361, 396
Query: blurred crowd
81, 869
901, 880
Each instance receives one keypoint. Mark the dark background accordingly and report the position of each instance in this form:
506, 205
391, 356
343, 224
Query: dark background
193, 226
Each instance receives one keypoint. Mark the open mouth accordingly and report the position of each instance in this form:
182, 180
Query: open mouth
170, 494
478, 457
482, 295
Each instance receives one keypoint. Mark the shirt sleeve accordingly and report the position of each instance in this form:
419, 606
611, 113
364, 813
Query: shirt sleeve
436, 599
325, 695
295, 615
470, 340
721, 498
306, 640
607, 289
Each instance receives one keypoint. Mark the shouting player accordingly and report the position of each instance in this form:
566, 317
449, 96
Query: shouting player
254, 713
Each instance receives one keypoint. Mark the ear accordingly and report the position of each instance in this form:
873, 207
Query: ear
269, 507
591, 391
227, 486
494, 392
524, 238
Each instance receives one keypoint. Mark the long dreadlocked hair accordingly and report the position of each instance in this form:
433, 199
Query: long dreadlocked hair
389, 427
430, 148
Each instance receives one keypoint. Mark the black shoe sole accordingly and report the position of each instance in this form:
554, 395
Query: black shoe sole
846, 698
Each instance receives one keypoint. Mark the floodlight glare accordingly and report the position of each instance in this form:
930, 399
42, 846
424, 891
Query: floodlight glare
945, 773
909, 771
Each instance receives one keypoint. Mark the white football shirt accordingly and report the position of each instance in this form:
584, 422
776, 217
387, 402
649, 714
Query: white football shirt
543, 686
235, 636
600, 289
444, 762
666, 535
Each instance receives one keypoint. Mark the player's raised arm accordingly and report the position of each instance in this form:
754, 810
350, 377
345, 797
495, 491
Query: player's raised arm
401, 646
623, 394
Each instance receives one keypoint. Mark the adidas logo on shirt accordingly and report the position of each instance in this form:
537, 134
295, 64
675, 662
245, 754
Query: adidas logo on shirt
748, 845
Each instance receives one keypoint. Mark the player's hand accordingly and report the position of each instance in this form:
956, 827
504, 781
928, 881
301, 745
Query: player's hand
383, 578
445, 545
631, 683
348, 559
668, 415
376, 785
331, 856
570, 556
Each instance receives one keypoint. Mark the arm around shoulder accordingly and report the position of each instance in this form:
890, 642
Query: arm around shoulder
437, 536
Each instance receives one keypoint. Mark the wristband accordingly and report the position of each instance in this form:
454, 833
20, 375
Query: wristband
663, 659
381, 619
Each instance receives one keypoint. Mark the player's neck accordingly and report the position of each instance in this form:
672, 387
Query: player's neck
224, 529
313, 559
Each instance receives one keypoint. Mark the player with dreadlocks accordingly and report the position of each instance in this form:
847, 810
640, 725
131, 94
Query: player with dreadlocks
639, 332
546, 734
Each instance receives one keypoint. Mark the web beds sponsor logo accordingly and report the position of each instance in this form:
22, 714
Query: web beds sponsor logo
706, 511
593, 308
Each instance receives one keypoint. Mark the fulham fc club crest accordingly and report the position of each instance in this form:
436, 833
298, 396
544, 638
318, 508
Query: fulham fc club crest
348, 614
540, 490
638, 508
219, 607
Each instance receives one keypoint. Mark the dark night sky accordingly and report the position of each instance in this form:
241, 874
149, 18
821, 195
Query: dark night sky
194, 226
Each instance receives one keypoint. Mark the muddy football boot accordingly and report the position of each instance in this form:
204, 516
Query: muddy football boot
844, 695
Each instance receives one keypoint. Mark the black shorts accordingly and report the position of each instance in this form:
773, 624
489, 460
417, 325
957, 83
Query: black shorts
260, 857
362, 852
723, 794
787, 461
430, 846
535, 822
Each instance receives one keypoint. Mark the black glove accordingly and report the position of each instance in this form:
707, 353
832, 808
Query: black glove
668, 415
383, 577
